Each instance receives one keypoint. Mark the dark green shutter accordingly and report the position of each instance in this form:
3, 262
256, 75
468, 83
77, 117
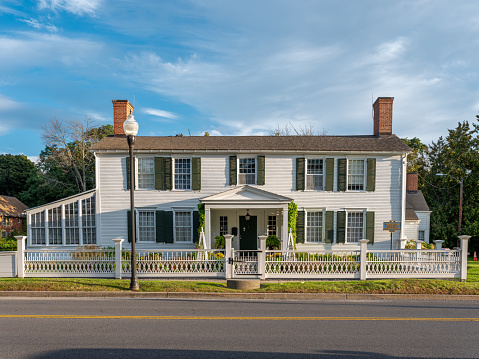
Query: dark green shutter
196, 226
300, 163
128, 173
128, 221
168, 174
233, 175
261, 174
342, 174
160, 226
300, 227
160, 173
371, 186
329, 238
168, 223
341, 226
329, 174
370, 227
196, 173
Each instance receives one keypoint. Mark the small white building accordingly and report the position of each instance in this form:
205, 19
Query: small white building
344, 188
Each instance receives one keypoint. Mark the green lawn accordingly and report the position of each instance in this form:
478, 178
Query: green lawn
390, 286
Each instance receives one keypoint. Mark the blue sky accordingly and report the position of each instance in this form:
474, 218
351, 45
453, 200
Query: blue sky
237, 67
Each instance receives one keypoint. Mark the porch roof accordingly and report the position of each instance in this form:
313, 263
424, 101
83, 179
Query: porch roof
246, 196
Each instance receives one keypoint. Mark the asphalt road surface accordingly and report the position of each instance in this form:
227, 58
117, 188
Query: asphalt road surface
165, 328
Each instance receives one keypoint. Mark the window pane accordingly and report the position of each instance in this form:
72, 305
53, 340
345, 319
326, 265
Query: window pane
72, 234
88, 221
183, 226
146, 226
223, 225
55, 225
314, 227
146, 172
355, 175
38, 228
272, 228
247, 171
182, 173
355, 226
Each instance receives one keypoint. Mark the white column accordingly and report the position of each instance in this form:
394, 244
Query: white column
363, 258
439, 243
284, 232
80, 224
402, 243
118, 256
464, 244
208, 228
403, 195
228, 255
20, 258
262, 256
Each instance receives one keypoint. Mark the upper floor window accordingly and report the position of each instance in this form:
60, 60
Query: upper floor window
247, 171
183, 173
315, 174
314, 226
355, 227
356, 175
146, 172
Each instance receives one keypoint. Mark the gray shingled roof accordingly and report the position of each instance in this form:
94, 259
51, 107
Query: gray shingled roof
416, 201
368, 143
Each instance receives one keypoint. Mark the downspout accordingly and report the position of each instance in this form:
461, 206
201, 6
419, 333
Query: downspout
403, 193
97, 200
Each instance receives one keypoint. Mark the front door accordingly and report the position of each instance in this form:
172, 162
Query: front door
248, 233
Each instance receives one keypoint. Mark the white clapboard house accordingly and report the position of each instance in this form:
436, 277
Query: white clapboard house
344, 187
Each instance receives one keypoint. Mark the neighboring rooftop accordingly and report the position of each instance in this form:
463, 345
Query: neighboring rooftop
11, 206
415, 202
366, 143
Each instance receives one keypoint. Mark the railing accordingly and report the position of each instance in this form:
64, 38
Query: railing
70, 263
197, 262
246, 262
318, 264
408, 263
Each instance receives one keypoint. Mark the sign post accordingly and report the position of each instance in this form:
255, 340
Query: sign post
391, 226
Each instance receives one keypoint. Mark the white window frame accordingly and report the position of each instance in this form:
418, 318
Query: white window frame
137, 172
137, 222
346, 229
365, 173
306, 171
72, 227
173, 170
222, 229
184, 210
270, 231
242, 157
423, 235
60, 227
323, 227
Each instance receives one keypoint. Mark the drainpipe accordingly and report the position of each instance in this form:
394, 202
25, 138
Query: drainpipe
403, 194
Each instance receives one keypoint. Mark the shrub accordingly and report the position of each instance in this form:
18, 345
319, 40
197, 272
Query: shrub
273, 242
8, 244
220, 242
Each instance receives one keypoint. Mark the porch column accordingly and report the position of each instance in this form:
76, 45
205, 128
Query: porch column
207, 227
284, 231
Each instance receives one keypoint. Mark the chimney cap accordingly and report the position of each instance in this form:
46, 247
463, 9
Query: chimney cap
383, 98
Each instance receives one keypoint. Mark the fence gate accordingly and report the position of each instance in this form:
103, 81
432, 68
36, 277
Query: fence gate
245, 263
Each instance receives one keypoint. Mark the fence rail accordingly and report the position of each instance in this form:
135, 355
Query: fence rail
228, 263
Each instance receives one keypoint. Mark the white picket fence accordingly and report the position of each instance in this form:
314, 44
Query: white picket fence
229, 263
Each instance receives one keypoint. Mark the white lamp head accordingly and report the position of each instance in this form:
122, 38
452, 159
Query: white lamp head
130, 126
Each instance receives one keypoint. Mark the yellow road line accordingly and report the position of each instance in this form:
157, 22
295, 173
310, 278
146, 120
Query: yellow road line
178, 317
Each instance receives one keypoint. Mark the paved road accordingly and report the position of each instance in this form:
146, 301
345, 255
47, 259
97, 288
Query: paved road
165, 328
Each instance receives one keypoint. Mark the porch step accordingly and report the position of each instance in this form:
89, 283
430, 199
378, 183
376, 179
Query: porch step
243, 283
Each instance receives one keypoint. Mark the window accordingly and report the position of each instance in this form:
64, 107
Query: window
183, 173
314, 174
223, 225
38, 228
146, 226
55, 225
271, 230
356, 175
422, 235
183, 228
146, 172
4, 234
314, 227
247, 171
355, 230
72, 234
88, 221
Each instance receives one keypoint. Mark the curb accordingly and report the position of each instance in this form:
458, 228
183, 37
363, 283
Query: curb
237, 296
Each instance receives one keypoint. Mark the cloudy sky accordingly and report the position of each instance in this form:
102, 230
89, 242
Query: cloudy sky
237, 67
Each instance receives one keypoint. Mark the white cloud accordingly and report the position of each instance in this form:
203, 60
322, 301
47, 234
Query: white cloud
8, 104
38, 25
34, 159
160, 113
78, 7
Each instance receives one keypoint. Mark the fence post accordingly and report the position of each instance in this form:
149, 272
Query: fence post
363, 258
438, 243
118, 255
20, 258
402, 243
418, 244
228, 255
262, 256
464, 243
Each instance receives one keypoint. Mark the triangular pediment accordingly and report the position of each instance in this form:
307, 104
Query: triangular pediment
245, 194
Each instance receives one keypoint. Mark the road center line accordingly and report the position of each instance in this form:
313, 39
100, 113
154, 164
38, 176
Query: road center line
178, 317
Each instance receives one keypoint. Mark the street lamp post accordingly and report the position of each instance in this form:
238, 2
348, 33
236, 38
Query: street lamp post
130, 126
461, 185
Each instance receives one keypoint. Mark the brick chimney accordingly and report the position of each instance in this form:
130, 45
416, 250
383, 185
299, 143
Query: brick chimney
412, 182
383, 116
121, 109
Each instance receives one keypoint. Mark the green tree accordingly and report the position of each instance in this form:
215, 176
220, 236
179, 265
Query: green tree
14, 173
417, 160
